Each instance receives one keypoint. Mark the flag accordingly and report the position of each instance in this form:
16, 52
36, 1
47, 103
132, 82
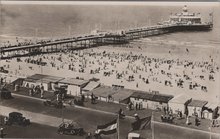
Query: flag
109, 128
141, 124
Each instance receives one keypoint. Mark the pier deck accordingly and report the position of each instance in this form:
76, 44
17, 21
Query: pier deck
83, 42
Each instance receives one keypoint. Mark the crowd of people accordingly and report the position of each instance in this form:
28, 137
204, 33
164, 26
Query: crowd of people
132, 67
26, 42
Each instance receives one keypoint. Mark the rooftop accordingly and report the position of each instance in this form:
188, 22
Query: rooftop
91, 85
211, 105
43, 78
143, 95
197, 103
103, 91
36, 76
74, 81
122, 94
151, 96
180, 99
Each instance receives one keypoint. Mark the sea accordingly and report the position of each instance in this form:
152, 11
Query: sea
55, 21
60, 21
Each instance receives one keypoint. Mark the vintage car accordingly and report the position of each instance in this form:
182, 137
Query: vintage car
5, 93
53, 103
167, 118
70, 128
17, 118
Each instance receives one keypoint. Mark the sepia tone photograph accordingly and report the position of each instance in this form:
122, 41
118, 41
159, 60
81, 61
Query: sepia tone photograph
109, 70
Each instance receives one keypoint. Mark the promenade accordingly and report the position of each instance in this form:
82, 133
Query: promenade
111, 109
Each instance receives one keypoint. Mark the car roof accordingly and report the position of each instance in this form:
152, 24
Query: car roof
15, 113
70, 123
4, 89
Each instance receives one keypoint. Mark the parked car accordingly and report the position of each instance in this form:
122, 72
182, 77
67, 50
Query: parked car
53, 103
70, 129
5, 93
17, 118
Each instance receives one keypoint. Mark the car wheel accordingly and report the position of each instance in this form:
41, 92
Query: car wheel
60, 132
81, 133
73, 132
9, 123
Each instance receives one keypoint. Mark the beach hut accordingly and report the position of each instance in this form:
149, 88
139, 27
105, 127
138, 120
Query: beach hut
150, 100
90, 86
74, 86
141, 97
122, 96
103, 92
47, 81
210, 111
160, 100
196, 107
178, 103
29, 83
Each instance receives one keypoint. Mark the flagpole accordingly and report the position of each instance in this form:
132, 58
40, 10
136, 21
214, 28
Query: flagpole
210, 134
118, 127
152, 121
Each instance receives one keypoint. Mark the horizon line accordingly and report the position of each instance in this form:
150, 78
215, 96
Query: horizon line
112, 3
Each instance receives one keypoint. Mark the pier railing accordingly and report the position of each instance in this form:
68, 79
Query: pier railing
88, 41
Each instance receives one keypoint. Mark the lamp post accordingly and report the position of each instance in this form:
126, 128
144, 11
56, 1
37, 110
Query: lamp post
62, 111
1, 132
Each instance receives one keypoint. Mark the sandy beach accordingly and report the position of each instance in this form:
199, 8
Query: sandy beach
167, 67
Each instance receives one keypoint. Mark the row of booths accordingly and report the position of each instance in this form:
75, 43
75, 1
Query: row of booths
118, 94
204, 109
74, 86
114, 93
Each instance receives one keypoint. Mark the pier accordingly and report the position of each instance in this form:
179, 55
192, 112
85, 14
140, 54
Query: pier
89, 41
